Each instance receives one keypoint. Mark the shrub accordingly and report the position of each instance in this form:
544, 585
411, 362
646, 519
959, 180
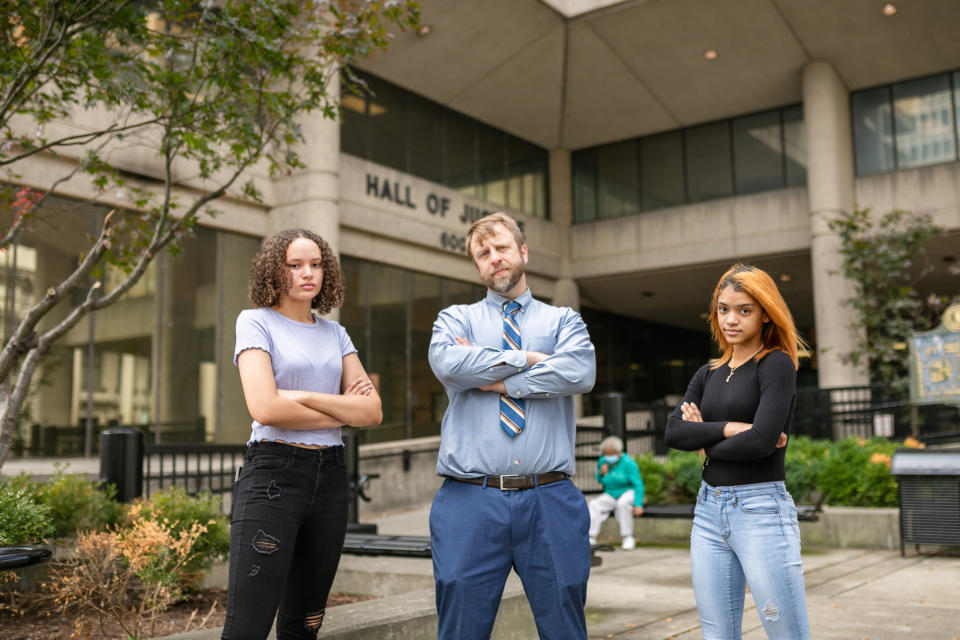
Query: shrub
852, 473
75, 503
856, 473
125, 574
181, 511
804, 463
686, 471
654, 479
22, 520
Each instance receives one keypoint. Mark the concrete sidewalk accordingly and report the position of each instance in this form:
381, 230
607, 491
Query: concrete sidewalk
851, 594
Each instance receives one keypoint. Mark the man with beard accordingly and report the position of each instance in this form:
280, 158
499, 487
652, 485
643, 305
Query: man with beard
511, 366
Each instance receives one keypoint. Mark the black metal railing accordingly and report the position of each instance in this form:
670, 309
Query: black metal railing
831, 414
194, 467
53, 441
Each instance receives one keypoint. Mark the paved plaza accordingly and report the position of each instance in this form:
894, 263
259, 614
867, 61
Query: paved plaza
852, 594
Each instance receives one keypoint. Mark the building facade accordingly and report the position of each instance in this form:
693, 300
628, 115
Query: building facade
644, 146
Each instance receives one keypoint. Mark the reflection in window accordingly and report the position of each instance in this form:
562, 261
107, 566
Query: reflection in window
766, 151
794, 146
923, 119
389, 315
618, 191
758, 152
584, 168
873, 131
661, 171
707, 150
161, 353
905, 125
402, 130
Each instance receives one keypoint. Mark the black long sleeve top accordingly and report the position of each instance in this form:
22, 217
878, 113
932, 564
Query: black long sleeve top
762, 393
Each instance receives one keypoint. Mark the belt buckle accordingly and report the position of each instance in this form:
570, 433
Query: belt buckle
509, 475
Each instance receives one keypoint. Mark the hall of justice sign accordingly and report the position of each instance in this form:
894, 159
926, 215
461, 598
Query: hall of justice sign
436, 205
935, 362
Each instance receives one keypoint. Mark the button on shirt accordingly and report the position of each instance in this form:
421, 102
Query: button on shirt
472, 443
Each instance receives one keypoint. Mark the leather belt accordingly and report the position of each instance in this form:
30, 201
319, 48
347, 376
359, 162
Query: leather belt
514, 482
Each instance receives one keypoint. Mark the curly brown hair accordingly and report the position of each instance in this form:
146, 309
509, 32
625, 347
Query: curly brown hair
269, 279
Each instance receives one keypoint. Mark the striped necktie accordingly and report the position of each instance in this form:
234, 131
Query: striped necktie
511, 409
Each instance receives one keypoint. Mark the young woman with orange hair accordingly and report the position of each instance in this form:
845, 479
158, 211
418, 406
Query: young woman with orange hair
738, 409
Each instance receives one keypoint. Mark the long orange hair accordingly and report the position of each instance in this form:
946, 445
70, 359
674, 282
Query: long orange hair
778, 334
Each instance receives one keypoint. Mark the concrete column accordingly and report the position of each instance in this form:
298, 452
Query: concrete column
566, 294
830, 188
309, 198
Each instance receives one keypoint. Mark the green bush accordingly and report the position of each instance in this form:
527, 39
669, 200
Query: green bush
804, 463
22, 520
654, 477
856, 473
851, 473
180, 510
75, 503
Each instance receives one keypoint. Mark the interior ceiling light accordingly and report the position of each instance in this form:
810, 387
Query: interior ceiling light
425, 30
710, 54
889, 9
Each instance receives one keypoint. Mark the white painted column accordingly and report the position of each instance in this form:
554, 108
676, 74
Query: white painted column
830, 188
566, 292
310, 197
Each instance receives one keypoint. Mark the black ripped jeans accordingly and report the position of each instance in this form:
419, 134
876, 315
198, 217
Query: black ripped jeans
288, 520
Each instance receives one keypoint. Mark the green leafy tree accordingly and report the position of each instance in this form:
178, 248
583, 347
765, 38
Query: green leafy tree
208, 88
884, 259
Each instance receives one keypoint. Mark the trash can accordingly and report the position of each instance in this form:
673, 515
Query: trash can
121, 462
929, 490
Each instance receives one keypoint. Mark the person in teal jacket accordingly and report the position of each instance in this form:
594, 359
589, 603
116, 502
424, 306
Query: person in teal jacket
622, 491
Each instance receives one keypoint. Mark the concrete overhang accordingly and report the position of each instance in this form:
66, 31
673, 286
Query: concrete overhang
576, 73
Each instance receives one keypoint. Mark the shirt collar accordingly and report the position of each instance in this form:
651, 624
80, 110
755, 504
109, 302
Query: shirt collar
498, 301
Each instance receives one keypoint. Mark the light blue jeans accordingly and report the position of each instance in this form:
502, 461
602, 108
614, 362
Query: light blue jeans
748, 534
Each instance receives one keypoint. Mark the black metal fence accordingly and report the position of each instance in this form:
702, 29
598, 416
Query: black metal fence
195, 467
831, 414
52, 441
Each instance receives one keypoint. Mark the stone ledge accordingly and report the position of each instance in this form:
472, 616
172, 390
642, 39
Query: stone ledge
408, 616
836, 528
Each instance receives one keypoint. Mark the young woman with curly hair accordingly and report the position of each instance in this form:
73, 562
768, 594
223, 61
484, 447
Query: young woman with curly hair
738, 409
302, 380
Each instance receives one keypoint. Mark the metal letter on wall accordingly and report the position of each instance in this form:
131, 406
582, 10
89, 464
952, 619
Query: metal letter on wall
935, 362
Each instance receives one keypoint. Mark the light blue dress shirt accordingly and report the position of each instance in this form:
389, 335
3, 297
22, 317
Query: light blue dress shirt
472, 443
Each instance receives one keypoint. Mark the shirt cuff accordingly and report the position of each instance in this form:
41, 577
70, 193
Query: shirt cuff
516, 359
516, 385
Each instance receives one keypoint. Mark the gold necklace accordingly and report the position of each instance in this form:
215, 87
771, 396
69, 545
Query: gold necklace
733, 369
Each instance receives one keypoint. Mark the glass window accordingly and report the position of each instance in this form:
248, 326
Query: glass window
405, 131
872, 131
661, 171
353, 123
386, 293
527, 177
923, 122
427, 397
386, 123
161, 354
491, 164
707, 154
758, 152
460, 154
956, 105
425, 138
617, 180
584, 185
794, 146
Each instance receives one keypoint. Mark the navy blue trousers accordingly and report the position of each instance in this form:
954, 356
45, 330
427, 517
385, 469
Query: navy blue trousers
479, 533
